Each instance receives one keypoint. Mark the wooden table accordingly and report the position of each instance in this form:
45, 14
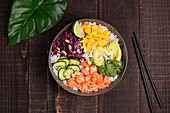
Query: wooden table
26, 85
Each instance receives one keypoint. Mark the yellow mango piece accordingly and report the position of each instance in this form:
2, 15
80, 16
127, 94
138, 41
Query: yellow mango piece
90, 44
107, 38
83, 26
89, 47
85, 39
91, 40
96, 44
87, 30
101, 43
89, 36
84, 44
98, 37
88, 26
94, 27
95, 35
103, 36
100, 29
94, 32
106, 33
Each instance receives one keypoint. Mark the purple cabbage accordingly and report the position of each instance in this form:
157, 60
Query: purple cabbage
67, 44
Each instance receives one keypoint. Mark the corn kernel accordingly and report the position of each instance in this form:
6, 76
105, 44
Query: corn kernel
89, 62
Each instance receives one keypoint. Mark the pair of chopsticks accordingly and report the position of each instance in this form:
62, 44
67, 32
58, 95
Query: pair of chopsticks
142, 74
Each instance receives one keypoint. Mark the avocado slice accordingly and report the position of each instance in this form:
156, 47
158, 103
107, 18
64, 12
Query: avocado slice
98, 55
111, 51
119, 52
114, 51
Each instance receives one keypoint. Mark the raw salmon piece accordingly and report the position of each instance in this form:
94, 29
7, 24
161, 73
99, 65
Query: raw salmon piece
101, 85
71, 79
94, 87
83, 87
93, 69
88, 78
80, 78
107, 80
85, 70
93, 81
71, 83
100, 78
84, 64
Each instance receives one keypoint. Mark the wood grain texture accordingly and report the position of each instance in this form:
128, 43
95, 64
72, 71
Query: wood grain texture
155, 43
13, 68
124, 16
38, 74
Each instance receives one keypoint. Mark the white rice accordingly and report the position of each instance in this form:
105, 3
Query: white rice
65, 82
120, 63
107, 58
54, 58
75, 88
80, 66
113, 78
55, 71
104, 27
89, 90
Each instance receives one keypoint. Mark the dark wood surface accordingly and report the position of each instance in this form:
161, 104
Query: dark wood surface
26, 85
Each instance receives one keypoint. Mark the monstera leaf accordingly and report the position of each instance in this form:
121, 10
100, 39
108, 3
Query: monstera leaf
31, 17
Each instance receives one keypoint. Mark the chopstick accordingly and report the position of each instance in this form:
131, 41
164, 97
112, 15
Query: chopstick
143, 78
148, 73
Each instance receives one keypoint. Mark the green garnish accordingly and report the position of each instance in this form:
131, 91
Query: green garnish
110, 68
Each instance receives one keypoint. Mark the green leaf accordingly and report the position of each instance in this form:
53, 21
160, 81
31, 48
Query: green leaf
111, 69
101, 69
32, 17
92, 61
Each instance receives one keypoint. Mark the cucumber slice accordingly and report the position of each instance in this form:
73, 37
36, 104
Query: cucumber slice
65, 60
68, 72
74, 61
59, 64
75, 68
59, 60
61, 67
60, 75
62, 57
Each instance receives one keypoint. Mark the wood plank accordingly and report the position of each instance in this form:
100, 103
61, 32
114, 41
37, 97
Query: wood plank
155, 43
13, 68
64, 101
38, 74
124, 16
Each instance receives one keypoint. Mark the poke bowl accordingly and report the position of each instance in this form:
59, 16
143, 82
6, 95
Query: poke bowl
88, 57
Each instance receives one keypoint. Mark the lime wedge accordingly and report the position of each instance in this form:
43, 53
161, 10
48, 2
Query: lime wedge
78, 30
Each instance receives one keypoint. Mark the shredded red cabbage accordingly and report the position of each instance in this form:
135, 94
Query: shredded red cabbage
67, 44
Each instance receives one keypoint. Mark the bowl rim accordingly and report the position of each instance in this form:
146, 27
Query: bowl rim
102, 91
